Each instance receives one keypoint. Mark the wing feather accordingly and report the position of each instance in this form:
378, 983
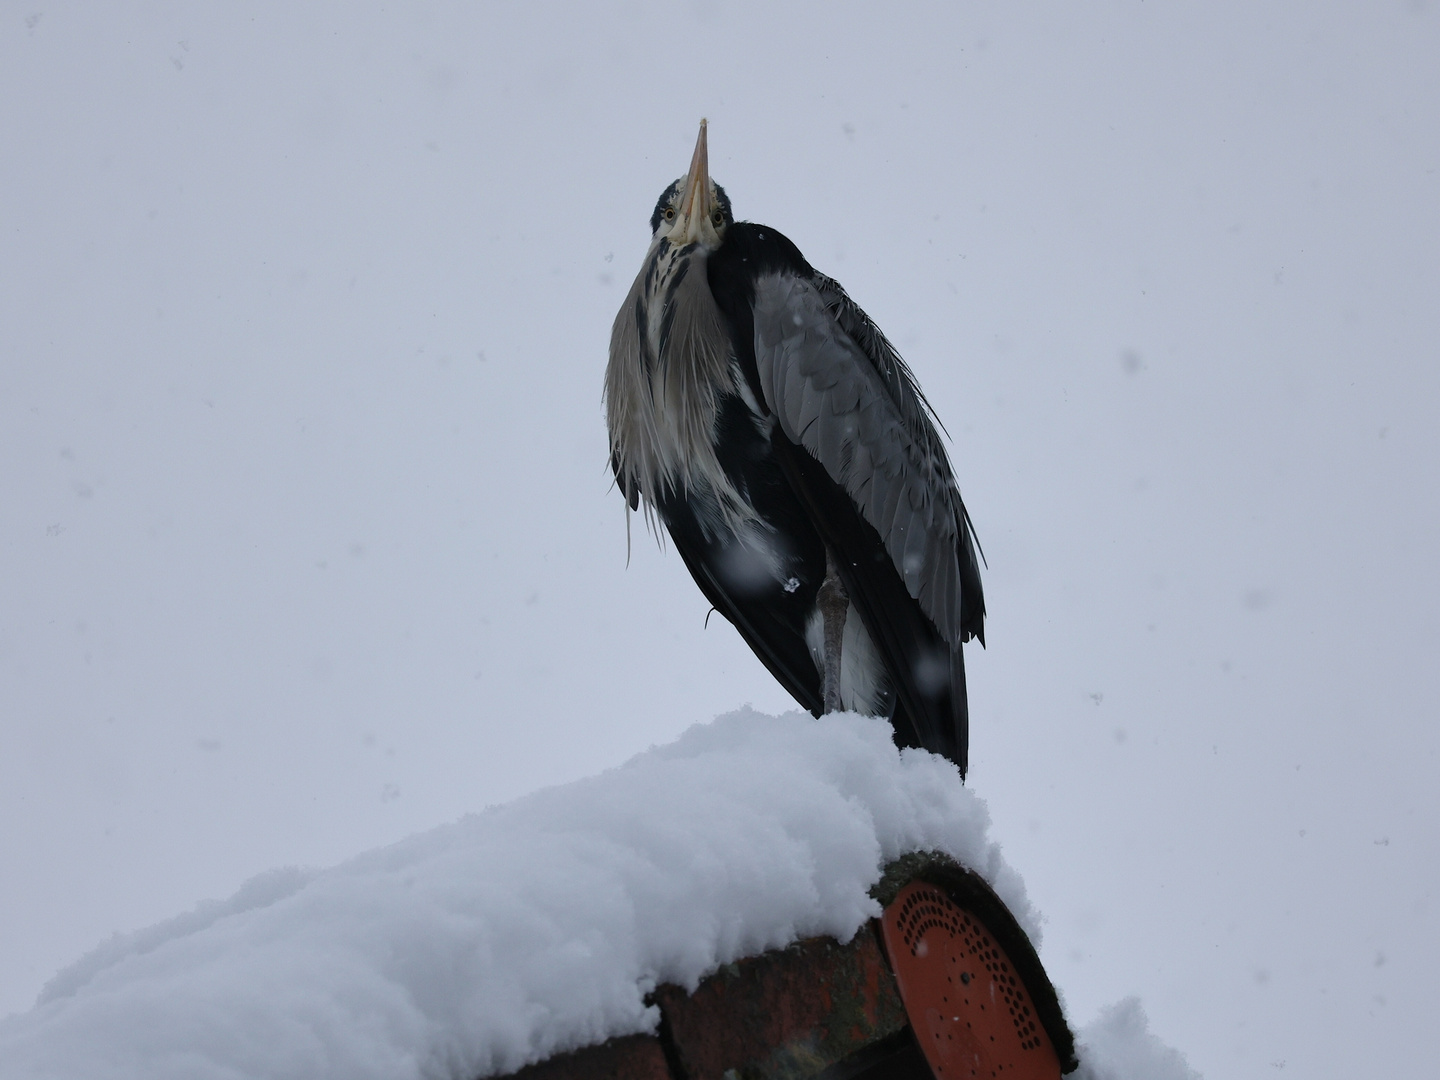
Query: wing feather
839, 390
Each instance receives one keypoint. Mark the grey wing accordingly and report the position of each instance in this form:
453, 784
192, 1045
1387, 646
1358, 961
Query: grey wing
839, 389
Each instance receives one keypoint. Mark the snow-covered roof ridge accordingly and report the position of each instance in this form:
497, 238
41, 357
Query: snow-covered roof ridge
524, 930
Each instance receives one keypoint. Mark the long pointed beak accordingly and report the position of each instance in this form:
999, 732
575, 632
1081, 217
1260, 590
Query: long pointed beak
695, 207
697, 180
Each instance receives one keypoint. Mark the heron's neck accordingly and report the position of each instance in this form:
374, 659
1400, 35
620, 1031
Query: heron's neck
663, 391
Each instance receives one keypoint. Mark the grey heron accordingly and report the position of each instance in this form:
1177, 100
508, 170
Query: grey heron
764, 419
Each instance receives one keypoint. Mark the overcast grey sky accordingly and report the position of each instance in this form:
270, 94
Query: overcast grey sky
307, 537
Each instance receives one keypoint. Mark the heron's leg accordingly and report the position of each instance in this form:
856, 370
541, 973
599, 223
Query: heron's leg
833, 602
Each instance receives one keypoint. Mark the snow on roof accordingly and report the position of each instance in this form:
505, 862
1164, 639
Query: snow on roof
522, 930
1118, 1045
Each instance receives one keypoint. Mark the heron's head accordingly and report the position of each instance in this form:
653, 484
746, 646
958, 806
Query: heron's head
694, 209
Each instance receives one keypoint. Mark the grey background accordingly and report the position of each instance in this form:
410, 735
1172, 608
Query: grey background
306, 533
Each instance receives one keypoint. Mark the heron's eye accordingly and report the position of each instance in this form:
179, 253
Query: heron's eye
669, 213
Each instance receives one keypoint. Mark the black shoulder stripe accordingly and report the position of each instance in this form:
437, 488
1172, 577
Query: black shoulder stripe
747, 252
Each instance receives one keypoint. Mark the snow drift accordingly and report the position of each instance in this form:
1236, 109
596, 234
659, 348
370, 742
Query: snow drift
534, 927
